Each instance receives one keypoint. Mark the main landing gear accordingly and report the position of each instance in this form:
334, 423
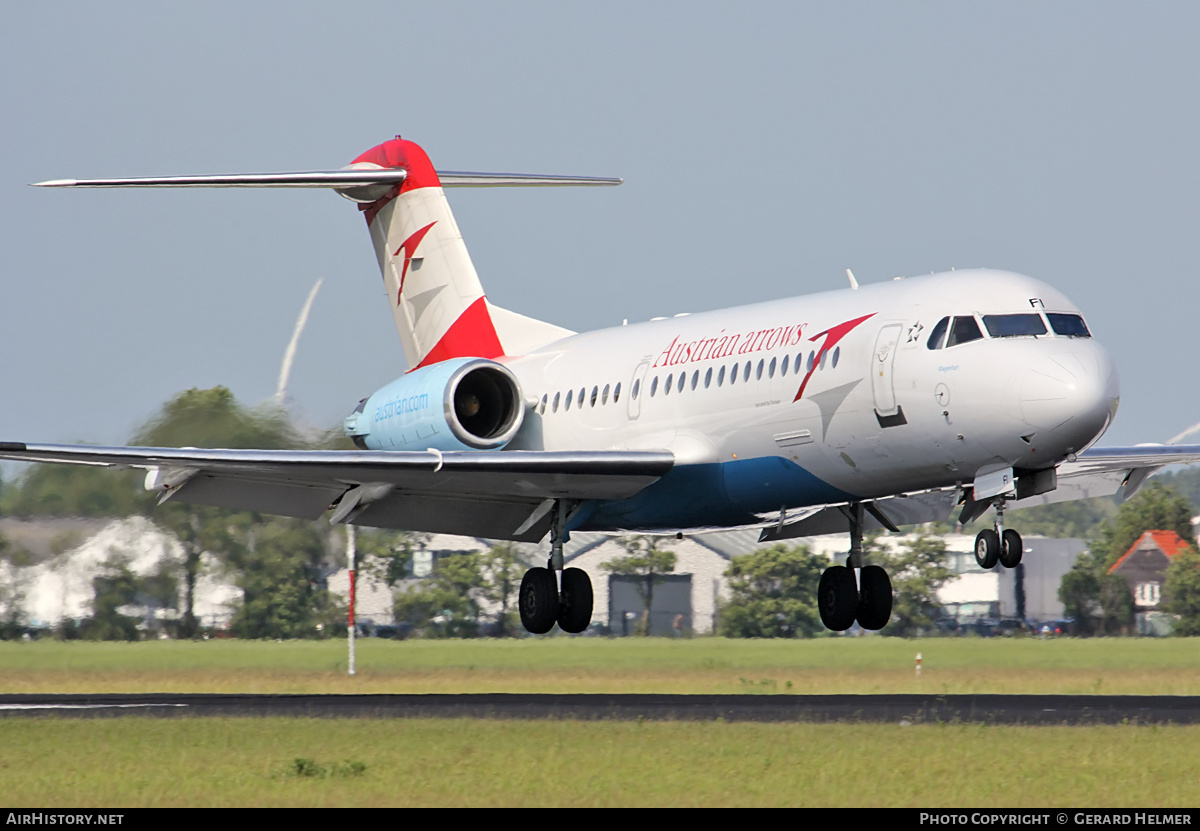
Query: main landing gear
553, 594
998, 545
841, 599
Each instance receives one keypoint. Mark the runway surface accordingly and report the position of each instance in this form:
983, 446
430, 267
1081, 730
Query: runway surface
916, 709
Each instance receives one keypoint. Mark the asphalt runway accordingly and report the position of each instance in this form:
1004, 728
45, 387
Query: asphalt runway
914, 709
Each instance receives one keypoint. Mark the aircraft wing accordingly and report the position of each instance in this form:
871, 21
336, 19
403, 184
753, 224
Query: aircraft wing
1101, 471
496, 495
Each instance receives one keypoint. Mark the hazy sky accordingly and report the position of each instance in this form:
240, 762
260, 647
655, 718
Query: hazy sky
766, 147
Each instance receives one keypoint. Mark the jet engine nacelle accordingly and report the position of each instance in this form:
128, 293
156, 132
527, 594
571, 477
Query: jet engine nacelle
460, 404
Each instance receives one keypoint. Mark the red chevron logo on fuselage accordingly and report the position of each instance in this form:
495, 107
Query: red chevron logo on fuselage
832, 335
409, 247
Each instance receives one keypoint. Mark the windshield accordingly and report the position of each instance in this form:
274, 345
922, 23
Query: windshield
1014, 326
1071, 326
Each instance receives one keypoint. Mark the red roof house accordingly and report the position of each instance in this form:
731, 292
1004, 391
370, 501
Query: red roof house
1144, 566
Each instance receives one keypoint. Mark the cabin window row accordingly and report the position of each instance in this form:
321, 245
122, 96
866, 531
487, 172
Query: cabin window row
816, 361
719, 375
598, 396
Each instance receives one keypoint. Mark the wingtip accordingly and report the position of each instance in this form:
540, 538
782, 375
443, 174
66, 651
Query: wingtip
54, 183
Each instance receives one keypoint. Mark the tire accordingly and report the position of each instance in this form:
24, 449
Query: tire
1011, 550
538, 600
575, 601
874, 598
987, 549
837, 598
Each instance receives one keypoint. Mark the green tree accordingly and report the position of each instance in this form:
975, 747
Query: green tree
918, 570
115, 586
1101, 603
386, 556
502, 569
211, 418
1156, 507
1181, 591
75, 490
283, 592
647, 562
773, 594
444, 605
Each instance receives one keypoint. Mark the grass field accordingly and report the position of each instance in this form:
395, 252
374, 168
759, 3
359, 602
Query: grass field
1169, 666
47, 762
238, 762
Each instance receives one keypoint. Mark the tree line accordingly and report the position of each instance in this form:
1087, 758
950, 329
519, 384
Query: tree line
278, 563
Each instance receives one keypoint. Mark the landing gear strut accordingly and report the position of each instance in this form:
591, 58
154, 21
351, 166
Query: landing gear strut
554, 594
841, 599
997, 545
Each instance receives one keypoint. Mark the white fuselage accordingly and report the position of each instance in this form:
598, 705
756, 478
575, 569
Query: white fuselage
881, 412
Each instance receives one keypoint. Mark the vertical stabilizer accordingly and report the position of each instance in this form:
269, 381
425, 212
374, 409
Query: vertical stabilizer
431, 284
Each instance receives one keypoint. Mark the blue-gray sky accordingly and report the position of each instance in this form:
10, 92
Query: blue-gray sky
766, 147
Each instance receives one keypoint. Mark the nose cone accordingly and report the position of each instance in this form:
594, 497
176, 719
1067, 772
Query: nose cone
1071, 393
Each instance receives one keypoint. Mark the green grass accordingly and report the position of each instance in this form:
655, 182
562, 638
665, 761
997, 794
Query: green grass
47, 763
1169, 666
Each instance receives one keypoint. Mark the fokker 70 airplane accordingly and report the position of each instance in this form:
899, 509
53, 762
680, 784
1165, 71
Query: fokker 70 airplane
877, 406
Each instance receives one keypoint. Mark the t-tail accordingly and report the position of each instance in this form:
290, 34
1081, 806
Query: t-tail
438, 303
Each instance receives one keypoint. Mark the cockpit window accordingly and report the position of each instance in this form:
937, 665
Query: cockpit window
965, 329
1072, 326
938, 334
1014, 326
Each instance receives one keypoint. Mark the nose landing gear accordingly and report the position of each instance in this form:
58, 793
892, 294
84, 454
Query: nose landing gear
841, 599
998, 545
554, 594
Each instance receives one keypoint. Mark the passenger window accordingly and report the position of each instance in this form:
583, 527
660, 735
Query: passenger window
799, 362
542, 404
670, 383
783, 366
617, 391
695, 378
812, 360
654, 386
964, 330
938, 334
721, 377
771, 369
1014, 326
733, 374
837, 353
554, 406
637, 387
824, 355
708, 378
570, 394
595, 395
746, 374
682, 380
582, 393
604, 395
1071, 326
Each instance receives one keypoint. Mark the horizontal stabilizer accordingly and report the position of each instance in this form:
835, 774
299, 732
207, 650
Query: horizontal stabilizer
336, 179
301, 179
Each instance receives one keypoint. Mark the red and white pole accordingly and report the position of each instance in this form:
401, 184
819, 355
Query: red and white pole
350, 557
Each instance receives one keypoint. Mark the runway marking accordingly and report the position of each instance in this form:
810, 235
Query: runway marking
79, 706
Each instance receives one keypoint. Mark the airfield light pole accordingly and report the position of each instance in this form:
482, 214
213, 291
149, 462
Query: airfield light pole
350, 556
